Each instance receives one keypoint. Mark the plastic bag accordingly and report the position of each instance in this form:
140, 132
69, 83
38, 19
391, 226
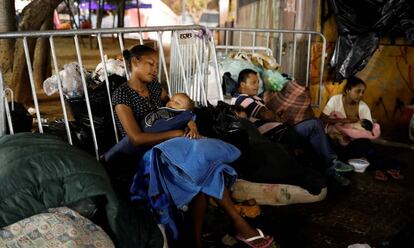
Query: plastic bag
360, 26
352, 53
113, 66
71, 81
274, 81
356, 17
397, 16
50, 85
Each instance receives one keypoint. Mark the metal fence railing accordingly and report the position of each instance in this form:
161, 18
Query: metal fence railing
292, 49
192, 51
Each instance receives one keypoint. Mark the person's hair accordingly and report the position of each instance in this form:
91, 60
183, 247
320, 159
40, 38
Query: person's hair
367, 124
243, 75
351, 82
137, 52
190, 102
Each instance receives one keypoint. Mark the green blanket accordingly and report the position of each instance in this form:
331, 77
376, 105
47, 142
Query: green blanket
40, 171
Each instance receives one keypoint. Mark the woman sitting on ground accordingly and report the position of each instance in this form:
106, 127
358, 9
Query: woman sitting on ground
137, 98
348, 108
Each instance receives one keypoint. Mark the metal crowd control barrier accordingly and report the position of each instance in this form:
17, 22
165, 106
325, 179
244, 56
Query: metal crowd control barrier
120, 32
291, 49
193, 52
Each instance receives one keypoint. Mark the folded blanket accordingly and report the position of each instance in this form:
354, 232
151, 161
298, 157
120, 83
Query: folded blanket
345, 133
176, 170
292, 103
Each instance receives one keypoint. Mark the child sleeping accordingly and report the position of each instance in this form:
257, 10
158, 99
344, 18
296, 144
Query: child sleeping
176, 115
344, 133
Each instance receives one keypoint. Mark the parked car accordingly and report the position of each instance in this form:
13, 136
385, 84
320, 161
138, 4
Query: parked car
209, 18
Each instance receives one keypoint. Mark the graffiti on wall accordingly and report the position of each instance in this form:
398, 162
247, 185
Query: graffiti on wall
389, 76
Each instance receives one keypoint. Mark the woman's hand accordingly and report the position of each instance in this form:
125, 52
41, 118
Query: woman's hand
193, 134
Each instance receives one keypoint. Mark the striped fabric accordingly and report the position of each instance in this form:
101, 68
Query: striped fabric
292, 102
250, 104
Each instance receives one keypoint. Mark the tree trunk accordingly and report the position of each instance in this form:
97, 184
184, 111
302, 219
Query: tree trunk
121, 14
33, 16
99, 16
7, 24
41, 65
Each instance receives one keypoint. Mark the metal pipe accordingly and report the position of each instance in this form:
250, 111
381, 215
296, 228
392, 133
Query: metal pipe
60, 33
321, 70
218, 77
62, 100
2, 106
85, 89
8, 116
266, 49
121, 45
32, 85
280, 48
294, 55
254, 41
240, 38
267, 39
141, 40
199, 73
308, 60
180, 58
108, 91
164, 64
227, 40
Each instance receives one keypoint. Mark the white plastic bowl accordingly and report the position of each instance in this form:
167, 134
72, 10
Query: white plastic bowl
359, 164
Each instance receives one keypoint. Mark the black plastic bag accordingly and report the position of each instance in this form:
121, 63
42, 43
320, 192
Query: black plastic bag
217, 121
101, 115
360, 24
352, 53
356, 16
21, 119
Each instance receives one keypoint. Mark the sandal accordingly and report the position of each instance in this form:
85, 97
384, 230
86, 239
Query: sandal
394, 173
381, 176
250, 243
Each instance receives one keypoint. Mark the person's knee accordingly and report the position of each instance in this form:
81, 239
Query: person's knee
314, 124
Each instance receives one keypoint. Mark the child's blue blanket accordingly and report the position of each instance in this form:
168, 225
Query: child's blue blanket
179, 169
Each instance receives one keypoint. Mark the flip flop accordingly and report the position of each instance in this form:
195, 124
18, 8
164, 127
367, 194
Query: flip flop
381, 176
394, 173
250, 243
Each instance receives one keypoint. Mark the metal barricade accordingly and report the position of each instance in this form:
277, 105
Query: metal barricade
193, 59
291, 49
189, 61
193, 89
